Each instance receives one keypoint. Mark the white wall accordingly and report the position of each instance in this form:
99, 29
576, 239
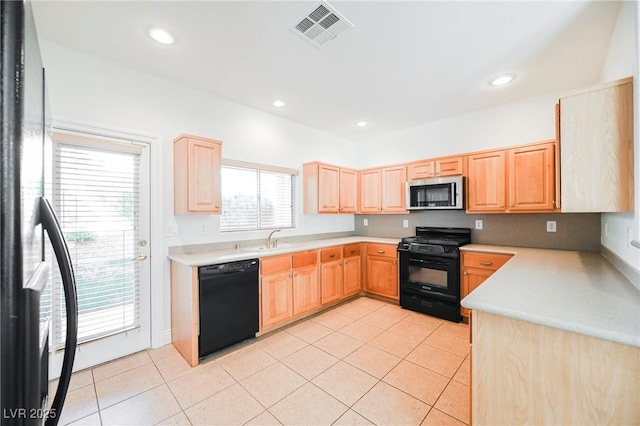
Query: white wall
86, 89
622, 61
525, 121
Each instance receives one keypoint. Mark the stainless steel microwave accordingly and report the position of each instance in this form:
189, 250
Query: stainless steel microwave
446, 193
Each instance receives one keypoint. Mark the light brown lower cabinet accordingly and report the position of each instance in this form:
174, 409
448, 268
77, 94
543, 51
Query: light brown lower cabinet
289, 286
276, 299
382, 270
526, 373
476, 268
352, 271
306, 289
331, 274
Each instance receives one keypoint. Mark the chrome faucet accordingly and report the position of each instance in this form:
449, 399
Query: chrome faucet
270, 235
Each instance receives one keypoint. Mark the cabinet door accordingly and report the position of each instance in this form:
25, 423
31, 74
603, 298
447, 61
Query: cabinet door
370, 191
204, 176
306, 289
393, 189
471, 279
328, 189
486, 182
348, 190
596, 142
352, 275
532, 178
448, 166
382, 276
422, 170
276, 300
331, 277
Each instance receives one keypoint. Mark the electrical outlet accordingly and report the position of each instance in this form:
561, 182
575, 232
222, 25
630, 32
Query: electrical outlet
606, 229
479, 224
405, 223
629, 237
172, 230
205, 229
365, 222
551, 226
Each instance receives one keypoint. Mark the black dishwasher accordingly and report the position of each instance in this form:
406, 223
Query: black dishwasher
228, 304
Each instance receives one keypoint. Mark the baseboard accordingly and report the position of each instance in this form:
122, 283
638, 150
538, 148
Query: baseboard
166, 339
631, 273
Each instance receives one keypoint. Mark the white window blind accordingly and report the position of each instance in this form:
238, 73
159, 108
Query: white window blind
257, 197
96, 199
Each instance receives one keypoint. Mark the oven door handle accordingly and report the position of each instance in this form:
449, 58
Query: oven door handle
428, 262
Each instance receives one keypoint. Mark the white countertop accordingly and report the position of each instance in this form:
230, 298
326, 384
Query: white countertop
229, 255
580, 292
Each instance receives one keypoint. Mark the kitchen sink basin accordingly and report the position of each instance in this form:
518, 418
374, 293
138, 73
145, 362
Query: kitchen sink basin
265, 248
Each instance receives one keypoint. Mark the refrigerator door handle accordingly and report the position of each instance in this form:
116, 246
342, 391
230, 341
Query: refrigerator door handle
51, 225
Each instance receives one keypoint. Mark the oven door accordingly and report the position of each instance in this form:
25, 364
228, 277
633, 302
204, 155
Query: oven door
430, 276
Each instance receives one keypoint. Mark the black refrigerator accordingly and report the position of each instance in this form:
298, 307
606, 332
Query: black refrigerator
26, 222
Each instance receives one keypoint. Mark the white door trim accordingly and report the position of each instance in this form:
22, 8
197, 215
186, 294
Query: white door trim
156, 239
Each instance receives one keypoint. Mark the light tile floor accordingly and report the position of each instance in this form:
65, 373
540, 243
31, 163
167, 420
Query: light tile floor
363, 362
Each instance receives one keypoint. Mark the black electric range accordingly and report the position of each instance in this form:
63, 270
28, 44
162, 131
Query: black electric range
430, 271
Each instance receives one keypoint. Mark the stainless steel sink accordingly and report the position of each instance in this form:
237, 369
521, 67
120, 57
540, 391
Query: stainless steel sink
265, 248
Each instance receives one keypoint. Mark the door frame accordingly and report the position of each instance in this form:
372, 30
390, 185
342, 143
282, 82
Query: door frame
156, 241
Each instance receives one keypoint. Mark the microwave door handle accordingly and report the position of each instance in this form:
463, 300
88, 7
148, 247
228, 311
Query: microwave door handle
453, 194
52, 226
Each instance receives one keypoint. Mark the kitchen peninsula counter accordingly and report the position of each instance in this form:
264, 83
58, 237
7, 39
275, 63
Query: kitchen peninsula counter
580, 292
555, 340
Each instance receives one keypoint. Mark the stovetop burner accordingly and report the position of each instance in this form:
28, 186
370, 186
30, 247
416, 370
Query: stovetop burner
453, 237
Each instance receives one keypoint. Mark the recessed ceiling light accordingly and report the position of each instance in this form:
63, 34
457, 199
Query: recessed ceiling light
362, 123
161, 35
278, 104
501, 80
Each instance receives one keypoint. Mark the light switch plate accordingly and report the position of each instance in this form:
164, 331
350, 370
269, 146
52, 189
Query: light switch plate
551, 226
479, 224
365, 222
405, 223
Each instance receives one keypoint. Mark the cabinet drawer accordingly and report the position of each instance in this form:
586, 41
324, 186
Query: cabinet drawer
385, 250
330, 254
352, 250
305, 258
492, 261
271, 265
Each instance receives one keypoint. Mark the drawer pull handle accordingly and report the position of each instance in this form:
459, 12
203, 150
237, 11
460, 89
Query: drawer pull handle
353, 251
332, 255
486, 263
381, 251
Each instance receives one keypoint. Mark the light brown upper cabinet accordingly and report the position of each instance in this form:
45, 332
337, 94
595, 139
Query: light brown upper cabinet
382, 190
532, 178
486, 182
596, 148
196, 175
370, 194
329, 189
449, 166
515, 180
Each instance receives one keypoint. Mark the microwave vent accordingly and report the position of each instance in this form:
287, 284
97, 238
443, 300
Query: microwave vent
321, 25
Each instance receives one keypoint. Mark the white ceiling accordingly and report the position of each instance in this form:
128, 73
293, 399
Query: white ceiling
404, 63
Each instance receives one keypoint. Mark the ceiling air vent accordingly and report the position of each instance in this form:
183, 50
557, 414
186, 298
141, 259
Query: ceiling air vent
321, 25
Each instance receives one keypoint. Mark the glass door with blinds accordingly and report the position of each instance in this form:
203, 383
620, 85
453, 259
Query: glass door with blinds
101, 195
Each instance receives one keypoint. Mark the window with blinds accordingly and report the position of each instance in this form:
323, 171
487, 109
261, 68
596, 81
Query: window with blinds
257, 197
95, 193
